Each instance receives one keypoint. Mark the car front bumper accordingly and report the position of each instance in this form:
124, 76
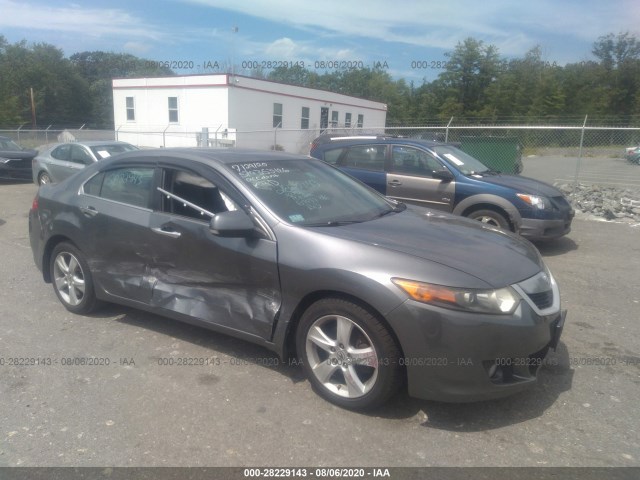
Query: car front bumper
540, 229
457, 356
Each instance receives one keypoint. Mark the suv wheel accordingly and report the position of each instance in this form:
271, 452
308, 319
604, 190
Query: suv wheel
490, 217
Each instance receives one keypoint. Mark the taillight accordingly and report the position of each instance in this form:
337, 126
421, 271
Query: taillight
34, 204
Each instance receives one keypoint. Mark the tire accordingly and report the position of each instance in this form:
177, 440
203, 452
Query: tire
44, 178
72, 279
490, 217
349, 356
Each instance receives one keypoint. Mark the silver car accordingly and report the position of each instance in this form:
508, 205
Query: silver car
58, 161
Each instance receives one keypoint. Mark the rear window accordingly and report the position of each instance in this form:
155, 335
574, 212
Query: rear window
106, 151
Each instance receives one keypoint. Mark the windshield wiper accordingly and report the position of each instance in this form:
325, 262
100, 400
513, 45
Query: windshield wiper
331, 223
397, 208
487, 172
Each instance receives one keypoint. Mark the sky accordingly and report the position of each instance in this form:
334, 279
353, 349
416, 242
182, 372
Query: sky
408, 38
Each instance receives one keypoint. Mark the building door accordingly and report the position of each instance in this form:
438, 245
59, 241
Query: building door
324, 117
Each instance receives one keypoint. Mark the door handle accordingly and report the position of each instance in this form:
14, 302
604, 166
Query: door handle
89, 211
395, 183
166, 231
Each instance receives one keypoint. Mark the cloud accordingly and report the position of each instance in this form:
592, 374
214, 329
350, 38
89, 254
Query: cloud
431, 24
75, 19
136, 47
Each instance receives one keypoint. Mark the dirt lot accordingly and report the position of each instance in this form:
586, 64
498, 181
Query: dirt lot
250, 409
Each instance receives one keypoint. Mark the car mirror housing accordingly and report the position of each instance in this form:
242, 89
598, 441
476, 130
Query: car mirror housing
444, 175
232, 224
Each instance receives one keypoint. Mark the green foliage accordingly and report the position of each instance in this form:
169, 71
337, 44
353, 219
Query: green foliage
476, 84
66, 91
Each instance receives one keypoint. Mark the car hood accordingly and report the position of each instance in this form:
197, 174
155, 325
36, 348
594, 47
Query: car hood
492, 255
523, 184
18, 154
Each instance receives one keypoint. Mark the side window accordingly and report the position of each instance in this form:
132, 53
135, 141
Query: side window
196, 190
80, 155
370, 157
128, 185
93, 186
332, 156
412, 161
61, 152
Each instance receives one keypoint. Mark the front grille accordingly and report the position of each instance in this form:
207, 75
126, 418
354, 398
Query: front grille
542, 299
561, 204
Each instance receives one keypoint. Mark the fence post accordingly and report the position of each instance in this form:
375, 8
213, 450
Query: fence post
46, 134
575, 180
446, 132
164, 143
275, 136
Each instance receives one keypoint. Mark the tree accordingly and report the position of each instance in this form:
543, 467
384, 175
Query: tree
620, 71
472, 67
99, 69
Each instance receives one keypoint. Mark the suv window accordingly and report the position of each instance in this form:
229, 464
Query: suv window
370, 157
128, 185
332, 156
196, 190
412, 161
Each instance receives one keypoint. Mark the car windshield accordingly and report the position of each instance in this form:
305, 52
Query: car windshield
311, 193
105, 151
9, 146
462, 161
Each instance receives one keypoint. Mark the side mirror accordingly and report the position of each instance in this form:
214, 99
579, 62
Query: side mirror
232, 224
444, 175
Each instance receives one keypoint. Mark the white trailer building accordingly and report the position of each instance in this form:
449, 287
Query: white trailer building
232, 110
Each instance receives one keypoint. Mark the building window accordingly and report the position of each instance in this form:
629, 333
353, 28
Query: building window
277, 115
334, 118
360, 121
347, 120
173, 109
131, 110
304, 122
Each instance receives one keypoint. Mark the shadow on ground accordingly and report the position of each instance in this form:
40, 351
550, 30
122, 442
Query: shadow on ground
554, 378
559, 246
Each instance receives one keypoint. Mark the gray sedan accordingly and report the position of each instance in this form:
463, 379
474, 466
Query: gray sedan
291, 253
58, 161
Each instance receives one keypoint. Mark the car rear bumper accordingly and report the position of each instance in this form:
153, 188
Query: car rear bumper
456, 356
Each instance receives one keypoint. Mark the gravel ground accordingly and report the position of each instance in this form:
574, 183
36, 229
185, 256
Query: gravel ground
250, 409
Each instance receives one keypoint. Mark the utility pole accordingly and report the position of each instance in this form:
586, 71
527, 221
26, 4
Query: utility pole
33, 110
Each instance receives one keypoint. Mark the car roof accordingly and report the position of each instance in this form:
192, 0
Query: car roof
92, 143
376, 139
215, 155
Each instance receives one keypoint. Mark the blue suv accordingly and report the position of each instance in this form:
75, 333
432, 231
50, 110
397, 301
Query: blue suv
440, 176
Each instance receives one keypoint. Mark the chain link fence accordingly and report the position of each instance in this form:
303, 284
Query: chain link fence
578, 154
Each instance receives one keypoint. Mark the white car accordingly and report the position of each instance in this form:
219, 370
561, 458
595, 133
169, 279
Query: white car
58, 161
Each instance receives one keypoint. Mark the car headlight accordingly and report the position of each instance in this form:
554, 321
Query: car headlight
500, 301
539, 202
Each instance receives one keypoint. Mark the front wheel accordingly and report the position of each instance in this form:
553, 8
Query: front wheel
72, 280
490, 217
348, 355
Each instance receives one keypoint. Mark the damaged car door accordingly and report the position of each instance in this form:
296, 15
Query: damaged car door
231, 281
114, 212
